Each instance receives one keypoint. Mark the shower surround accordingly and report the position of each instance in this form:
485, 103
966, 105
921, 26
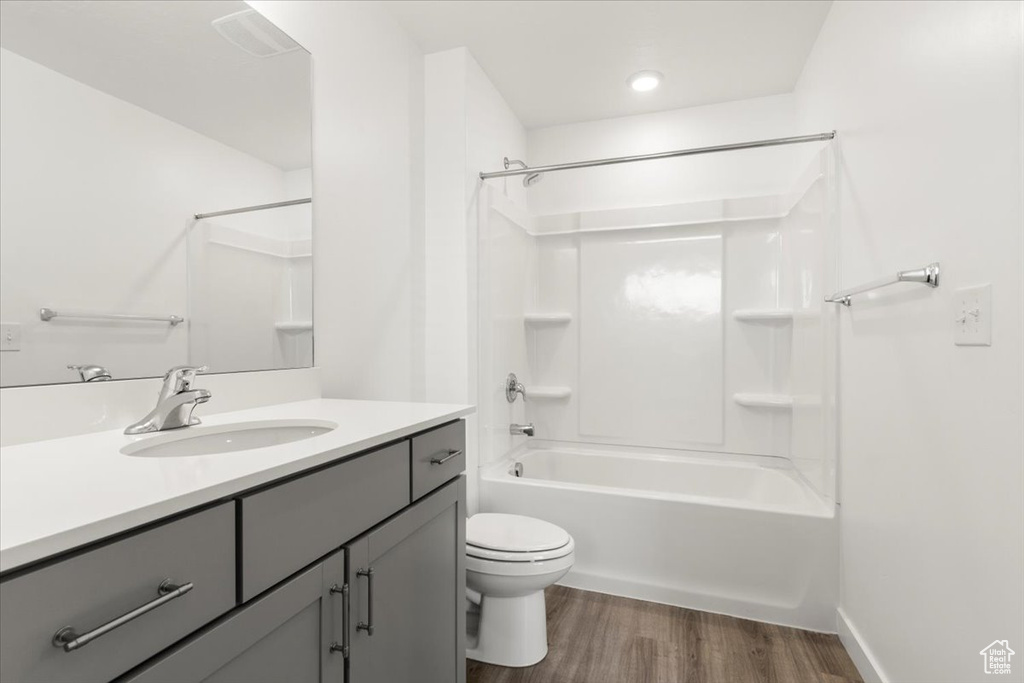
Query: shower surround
685, 342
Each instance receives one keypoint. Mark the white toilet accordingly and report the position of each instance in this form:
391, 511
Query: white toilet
510, 560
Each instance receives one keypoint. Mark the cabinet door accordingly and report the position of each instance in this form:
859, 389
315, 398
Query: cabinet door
407, 583
278, 637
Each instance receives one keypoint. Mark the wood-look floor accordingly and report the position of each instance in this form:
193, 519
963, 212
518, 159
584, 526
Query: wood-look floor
597, 638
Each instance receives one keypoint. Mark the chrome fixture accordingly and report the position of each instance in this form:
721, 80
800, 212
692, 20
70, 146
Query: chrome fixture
177, 401
48, 314
513, 388
91, 373
521, 430
517, 469
929, 275
536, 170
69, 640
254, 207
530, 179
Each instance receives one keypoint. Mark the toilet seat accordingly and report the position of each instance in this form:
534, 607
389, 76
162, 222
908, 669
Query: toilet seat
513, 556
515, 538
511, 570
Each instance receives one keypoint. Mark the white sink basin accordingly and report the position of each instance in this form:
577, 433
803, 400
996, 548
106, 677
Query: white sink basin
241, 436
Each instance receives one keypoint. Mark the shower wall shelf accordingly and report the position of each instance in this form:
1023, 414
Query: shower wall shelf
548, 393
547, 318
783, 401
294, 326
763, 314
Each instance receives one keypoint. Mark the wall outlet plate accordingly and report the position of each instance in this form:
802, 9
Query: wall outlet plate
972, 316
10, 336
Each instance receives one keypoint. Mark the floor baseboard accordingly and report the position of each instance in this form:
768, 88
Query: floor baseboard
858, 649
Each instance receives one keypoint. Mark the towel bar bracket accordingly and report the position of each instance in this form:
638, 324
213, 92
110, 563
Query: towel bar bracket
929, 276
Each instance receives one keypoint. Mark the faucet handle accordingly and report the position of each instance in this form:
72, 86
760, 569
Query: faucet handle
513, 388
180, 377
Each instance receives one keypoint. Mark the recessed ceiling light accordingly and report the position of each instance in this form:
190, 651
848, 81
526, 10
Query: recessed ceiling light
642, 81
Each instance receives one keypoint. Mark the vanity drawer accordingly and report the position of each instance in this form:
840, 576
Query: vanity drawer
90, 590
286, 527
437, 457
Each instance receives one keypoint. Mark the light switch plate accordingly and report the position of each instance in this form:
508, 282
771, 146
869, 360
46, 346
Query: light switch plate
972, 316
10, 336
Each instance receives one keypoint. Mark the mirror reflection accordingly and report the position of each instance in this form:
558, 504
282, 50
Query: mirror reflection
154, 191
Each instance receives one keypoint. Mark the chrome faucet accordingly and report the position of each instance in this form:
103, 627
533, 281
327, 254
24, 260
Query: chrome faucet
513, 388
521, 430
177, 401
91, 373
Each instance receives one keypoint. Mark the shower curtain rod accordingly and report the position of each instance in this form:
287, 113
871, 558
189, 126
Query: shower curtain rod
660, 155
255, 207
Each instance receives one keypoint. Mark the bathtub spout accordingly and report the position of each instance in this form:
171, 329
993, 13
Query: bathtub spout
521, 430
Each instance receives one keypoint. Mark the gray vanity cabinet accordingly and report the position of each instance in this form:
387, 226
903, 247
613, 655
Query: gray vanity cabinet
407, 581
280, 636
90, 594
287, 526
268, 586
404, 579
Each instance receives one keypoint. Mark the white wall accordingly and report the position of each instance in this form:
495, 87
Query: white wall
669, 181
469, 128
368, 183
927, 99
78, 195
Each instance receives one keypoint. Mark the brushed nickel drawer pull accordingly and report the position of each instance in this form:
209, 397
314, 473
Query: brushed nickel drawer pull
69, 640
343, 646
441, 461
368, 624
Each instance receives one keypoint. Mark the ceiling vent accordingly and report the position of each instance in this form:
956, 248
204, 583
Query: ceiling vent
252, 32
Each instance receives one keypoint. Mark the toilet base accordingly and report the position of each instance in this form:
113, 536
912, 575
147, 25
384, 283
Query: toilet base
512, 631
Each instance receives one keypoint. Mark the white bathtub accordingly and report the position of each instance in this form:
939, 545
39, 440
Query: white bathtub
717, 533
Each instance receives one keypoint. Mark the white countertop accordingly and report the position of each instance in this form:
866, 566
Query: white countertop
60, 494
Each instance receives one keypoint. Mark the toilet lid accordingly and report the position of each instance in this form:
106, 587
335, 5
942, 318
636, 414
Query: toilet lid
513, 533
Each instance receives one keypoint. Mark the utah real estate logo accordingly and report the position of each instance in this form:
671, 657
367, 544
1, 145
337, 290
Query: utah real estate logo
997, 657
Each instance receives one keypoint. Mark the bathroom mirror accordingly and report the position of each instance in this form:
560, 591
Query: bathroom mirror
155, 191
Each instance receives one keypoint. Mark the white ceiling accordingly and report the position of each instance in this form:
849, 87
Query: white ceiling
561, 61
164, 56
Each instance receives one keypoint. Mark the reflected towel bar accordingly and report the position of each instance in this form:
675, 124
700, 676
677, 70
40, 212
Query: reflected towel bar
48, 314
929, 275
255, 207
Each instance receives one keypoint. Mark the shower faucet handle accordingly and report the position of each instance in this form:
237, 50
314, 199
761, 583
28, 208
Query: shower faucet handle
513, 388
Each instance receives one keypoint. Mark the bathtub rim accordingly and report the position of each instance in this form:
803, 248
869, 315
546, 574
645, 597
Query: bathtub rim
817, 506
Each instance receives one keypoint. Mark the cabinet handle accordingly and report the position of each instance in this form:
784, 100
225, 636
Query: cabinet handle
441, 461
368, 624
343, 647
69, 640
